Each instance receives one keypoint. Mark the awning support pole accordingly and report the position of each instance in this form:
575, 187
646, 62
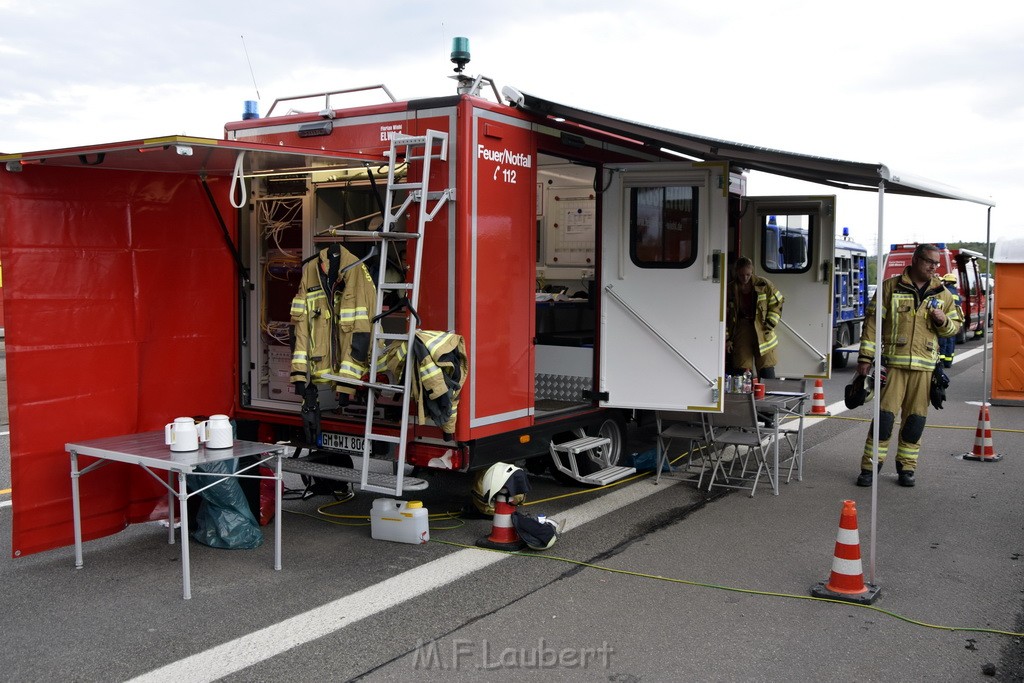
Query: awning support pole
876, 407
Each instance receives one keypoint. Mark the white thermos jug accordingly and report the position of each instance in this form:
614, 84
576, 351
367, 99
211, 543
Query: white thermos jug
182, 435
216, 432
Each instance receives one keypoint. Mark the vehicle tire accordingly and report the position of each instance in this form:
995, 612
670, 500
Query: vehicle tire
843, 338
613, 427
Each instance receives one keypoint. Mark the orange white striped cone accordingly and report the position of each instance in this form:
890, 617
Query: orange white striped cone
503, 534
983, 449
818, 399
847, 579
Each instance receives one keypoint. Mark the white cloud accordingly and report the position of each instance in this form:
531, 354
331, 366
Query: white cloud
929, 88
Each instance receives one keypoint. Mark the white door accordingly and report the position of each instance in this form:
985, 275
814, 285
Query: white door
791, 241
662, 328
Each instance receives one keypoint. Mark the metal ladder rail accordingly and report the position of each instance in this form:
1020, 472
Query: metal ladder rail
414, 192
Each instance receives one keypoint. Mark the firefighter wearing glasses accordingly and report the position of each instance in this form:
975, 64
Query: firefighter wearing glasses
917, 310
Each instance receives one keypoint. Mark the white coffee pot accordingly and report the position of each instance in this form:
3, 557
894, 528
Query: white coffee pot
182, 435
216, 432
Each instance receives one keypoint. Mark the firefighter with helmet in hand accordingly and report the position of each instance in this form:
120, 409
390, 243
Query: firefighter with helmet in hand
917, 310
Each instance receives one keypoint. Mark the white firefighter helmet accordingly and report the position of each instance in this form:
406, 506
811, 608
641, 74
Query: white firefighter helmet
494, 479
484, 506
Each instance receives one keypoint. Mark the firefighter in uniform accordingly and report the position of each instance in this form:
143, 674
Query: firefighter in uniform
917, 310
754, 309
947, 345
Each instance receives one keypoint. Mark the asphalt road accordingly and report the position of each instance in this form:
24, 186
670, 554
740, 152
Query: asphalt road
647, 583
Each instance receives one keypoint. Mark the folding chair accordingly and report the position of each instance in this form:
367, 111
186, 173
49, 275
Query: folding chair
789, 429
739, 425
682, 425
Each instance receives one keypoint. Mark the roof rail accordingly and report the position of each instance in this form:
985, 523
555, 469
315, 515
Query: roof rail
327, 97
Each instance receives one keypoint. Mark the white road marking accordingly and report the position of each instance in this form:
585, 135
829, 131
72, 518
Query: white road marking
252, 648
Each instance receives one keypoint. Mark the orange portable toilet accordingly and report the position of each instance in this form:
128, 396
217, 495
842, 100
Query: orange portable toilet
1008, 323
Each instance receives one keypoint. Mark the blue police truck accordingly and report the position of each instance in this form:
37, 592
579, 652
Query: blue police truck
849, 289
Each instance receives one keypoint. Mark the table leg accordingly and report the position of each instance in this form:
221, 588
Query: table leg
170, 508
278, 485
186, 576
76, 509
800, 445
775, 451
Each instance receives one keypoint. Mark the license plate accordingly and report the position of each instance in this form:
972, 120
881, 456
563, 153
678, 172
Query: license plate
342, 442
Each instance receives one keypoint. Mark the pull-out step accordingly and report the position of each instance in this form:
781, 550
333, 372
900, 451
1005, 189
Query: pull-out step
581, 445
591, 448
350, 474
607, 475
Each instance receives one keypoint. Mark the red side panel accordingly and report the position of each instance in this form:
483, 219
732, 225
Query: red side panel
500, 262
120, 316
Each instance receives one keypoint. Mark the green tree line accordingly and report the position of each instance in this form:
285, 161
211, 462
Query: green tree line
979, 247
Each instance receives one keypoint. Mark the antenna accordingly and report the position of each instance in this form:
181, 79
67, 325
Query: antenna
251, 73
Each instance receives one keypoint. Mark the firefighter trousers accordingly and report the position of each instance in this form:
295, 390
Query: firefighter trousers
745, 354
906, 392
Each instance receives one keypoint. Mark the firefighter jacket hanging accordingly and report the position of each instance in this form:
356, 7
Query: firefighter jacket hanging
751, 327
909, 339
330, 317
440, 362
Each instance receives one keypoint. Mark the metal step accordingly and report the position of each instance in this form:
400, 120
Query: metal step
580, 445
396, 388
406, 187
378, 480
386, 438
607, 475
393, 336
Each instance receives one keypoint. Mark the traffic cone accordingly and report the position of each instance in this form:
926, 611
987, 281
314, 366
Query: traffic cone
818, 399
983, 450
503, 534
847, 579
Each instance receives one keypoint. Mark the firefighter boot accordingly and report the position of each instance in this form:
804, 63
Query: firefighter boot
906, 477
866, 478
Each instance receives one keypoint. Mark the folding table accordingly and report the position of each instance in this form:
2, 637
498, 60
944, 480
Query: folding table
148, 451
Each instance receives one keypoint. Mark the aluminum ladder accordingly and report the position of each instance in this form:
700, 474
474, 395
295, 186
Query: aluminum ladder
400, 196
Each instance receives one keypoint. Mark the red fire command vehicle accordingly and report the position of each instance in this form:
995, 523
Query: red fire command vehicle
580, 258
964, 263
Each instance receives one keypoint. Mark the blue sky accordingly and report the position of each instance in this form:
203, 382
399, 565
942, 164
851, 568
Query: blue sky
929, 88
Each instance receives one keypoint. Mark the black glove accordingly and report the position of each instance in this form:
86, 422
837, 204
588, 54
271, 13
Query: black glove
300, 387
937, 394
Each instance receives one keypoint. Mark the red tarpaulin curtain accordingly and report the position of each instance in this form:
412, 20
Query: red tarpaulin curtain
121, 314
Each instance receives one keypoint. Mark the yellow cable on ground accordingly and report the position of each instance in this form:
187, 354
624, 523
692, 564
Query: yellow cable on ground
743, 590
364, 521
639, 475
865, 419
